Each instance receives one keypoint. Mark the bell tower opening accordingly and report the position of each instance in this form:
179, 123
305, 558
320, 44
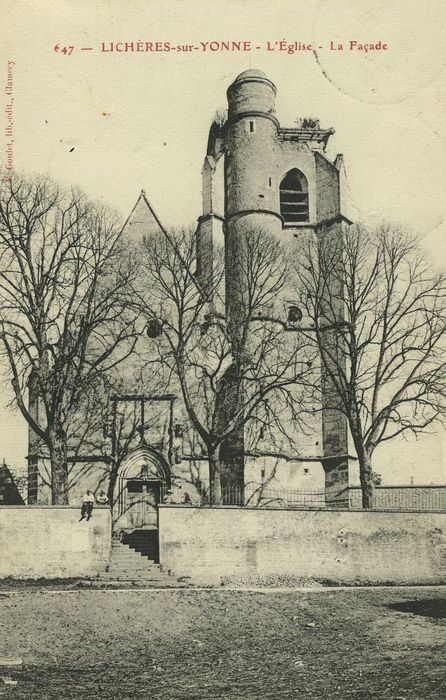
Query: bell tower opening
294, 197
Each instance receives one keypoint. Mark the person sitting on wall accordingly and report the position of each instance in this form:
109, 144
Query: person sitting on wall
102, 499
87, 505
169, 497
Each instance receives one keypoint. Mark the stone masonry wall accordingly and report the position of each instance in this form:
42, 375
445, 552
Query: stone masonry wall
327, 193
344, 546
50, 542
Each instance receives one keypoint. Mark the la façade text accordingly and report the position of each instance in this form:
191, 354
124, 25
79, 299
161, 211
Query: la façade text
354, 45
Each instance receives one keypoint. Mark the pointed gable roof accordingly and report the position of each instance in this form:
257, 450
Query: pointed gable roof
9, 493
142, 220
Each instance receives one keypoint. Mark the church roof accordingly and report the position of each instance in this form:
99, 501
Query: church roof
142, 220
251, 73
9, 493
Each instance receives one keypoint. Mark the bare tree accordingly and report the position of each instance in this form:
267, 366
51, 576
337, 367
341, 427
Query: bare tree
64, 320
230, 371
378, 308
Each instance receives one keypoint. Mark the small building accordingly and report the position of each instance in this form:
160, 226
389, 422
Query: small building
9, 493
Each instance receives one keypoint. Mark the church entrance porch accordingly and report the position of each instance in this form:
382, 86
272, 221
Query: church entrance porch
142, 481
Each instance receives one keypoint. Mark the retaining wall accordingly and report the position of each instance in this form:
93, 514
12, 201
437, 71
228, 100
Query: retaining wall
347, 546
50, 542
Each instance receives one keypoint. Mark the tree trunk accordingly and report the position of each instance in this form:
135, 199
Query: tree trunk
215, 497
57, 444
364, 460
229, 405
111, 484
365, 476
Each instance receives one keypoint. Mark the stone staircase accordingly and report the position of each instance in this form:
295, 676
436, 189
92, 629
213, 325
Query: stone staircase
143, 541
127, 564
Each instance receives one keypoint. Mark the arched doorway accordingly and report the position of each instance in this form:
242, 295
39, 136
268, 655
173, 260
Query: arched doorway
142, 481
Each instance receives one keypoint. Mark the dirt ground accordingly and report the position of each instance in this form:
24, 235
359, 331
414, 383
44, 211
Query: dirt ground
168, 644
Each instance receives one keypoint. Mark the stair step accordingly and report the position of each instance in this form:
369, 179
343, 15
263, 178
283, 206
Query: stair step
132, 565
142, 575
143, 583
136, 547
133, 572
128, 557
134, 575
139, 579
138, 574
124, 549
130, 568
130, 547
140, 566
132, 562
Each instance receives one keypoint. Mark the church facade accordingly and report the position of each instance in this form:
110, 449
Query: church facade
257, 175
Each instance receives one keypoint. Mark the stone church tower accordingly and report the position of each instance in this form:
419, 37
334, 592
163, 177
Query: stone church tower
258, 175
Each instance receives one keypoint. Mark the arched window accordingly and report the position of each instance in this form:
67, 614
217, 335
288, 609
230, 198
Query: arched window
294, 197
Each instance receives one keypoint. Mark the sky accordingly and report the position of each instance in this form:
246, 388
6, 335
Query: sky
116, 122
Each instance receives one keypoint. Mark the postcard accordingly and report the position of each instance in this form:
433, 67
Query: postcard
222, 337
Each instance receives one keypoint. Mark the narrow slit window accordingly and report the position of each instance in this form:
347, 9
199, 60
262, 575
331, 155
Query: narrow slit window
294, 197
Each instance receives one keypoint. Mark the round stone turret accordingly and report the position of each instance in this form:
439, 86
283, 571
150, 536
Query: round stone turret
251, 188
250, 93
251, 137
